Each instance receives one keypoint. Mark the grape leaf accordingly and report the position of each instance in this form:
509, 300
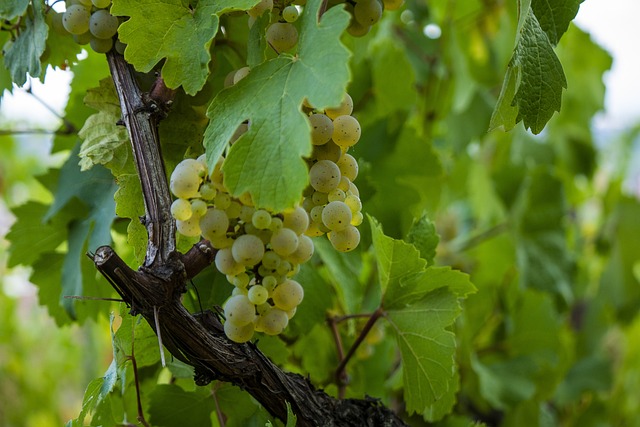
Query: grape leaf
424, 237
266, 160
10, 9
535, 77
129, 204
343, 270
24, 54
555, 17
171, 406
174, 31
102, 142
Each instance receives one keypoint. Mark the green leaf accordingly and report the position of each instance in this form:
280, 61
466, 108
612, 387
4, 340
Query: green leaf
555, 16
317, 300
537, 74
23, 57
291, 417
504, 384
427, 348
267, 160
171, 406
146, 347
174, 31
343, 269
129, 204
239, 407
10, 9
102, 140
424, 237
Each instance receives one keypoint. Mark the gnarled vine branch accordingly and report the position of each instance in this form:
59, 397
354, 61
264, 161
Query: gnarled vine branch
154, 291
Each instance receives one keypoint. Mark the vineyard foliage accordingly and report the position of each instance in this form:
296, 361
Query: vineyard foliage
498, 252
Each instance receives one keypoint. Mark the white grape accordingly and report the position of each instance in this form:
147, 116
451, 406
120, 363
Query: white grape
261, 219
288, 295
100, 45
238, 333
348, 166
214, 224
207, 191
345, 240
367, 12
181, 209
303, 252
185, 181
234, 209
284, 242
328, 151
321, 129
316, 213
273, 321
336, 195
248, 250
296, 219
290, 13
76, 19
324, 176
189, 227
271, 260
320, 198
344, 109
353, 202
357, 218
103, 25
269, 283
282, 36
346, 131
392, 4
336, 216
239, 310
258, 294
198, 207
314, 230
226, 264
101, 4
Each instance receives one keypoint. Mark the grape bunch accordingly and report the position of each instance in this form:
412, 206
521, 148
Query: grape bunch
88, 21
261, 251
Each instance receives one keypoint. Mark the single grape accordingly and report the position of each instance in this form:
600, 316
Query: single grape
348, 166
246, 199
346, 131
238, 333
261, 219
303, 252
353, 202
248, 250
282, 36
82, 39
246, 213
103, 25
336, 216
214, 224
226, 264
189, 227
367, 12
239, 310
271, 260
344, 109
276, 224
258, 294
120, 47
320, 198
260, 8
353, 190
290, 13
344, 183
56, 23
329, 151
76, 19
357, 218
321, 129
222, 201
314, 230
269, 282
345, 240
185, 180
356, 29
288, 295
234, 210
316, 213
296, 219
324, 176
181, 209
240, 281
272, 321
101, 4
198, 207
284, 241
336, 195
207, 191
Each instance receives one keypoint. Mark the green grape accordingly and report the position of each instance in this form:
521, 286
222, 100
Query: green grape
56, 23
271, 260
284, 268
207, 191
76, 19
82, 39
319, 198
240, 281
316, 213
222, 201
282, 36
239, 291
120, 47
346, 131
336, 216
269, 282
307, 204
238, 333
85, 3
292, 312
260, 8
290, 13
246, 199
296, 219
276, 224
353, 202
367, 12
336, 195
258, 294
103, 25
314, 230
345, 240
329, 151
344, 109
189, 227
356, 29
353, 190
321, 129
234, 209
101, 4
261, 219
288, 295
272, 321
324, 176
198, 207
248, 250
239, 310
226, 264
357, 218
284, 241
241, 74
185, 179
181, 209
214, 224
246, 213
344, 183
348, 166
221, 242
304, 251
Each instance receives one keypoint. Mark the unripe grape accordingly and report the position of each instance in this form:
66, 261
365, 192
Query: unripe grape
234, 209
357, 219
336, 195
296, 219
103, 25
82, 39
324, 176
367, 12
248, 250
290, 13
261, 219
239, 310
356, 29
238, 333
273, 321
282, 36
316, 213
353, 202
189, 227
344, 109
271, 260
198, 207
240, 281
226, 264
246, 213
284, 242
320, 198
336, 216
246, 199
207, 191
321, 129
120, 47
346, 131
181, 209
276, 224
345, 240
303, 252
329, 151
288, 295
269, 283
76, 19
348, 166
214, 224
222, 201
258, 294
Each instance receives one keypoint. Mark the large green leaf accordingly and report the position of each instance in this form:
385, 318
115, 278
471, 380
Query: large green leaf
174, 31
171, 406
555, 16
267, 160
10, 9
23, 57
